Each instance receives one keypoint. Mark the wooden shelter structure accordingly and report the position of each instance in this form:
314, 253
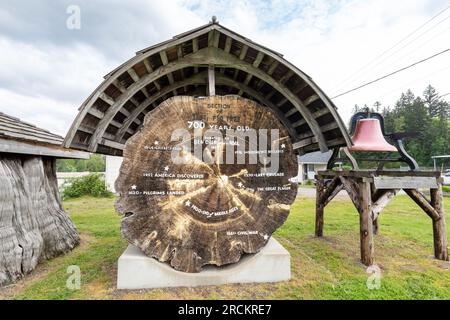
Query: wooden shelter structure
372, 189
33, 224
156, 92
209, 60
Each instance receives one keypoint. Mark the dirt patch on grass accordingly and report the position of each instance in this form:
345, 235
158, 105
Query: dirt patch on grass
444, 265
104, 287
236, 291
412, 267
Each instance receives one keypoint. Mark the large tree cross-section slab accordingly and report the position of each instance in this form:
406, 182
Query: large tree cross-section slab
208, 209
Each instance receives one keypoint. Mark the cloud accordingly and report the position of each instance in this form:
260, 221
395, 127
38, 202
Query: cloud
106, 25
331, 40
47, 113
62, 73
47, 70
42, 62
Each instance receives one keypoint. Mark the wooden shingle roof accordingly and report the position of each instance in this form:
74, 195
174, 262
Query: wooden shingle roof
14, 128
17, 136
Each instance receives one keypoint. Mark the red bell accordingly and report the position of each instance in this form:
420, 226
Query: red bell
369, 137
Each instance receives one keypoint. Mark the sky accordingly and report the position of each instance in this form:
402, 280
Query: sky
50, 63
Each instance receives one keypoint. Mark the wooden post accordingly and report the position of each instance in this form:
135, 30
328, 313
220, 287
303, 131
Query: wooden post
422, 202
370, 192
376, 226
366, 224
375, 223
320, 186
211, 81
439, 230
380, 200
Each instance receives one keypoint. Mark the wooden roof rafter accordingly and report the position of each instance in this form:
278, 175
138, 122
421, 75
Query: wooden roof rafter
179, 66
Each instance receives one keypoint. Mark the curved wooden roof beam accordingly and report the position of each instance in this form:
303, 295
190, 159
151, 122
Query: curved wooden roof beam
110, 77
206, 56
268, 78
198, 78
201, 79
277, 57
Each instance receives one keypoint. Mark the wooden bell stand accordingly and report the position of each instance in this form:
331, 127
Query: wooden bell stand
371, 191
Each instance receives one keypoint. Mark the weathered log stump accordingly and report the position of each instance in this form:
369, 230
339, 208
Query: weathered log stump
185, 201
33, 223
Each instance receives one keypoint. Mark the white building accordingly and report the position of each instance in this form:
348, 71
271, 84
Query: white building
112, 171
310, 163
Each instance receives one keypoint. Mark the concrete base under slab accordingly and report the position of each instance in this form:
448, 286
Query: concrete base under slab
137, 271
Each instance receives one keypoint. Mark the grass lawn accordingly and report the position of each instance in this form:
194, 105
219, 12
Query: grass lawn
325, 268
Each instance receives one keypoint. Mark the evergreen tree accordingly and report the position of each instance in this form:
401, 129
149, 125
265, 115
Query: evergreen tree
431, 98
428, 116
377, 106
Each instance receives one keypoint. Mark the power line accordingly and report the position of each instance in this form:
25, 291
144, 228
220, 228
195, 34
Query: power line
446, 94
392, 47
421, 45
404, 85
391, 74
395, 45
409, 43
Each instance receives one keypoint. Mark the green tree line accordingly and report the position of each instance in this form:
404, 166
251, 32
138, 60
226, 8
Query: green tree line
95, 164
428, 115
